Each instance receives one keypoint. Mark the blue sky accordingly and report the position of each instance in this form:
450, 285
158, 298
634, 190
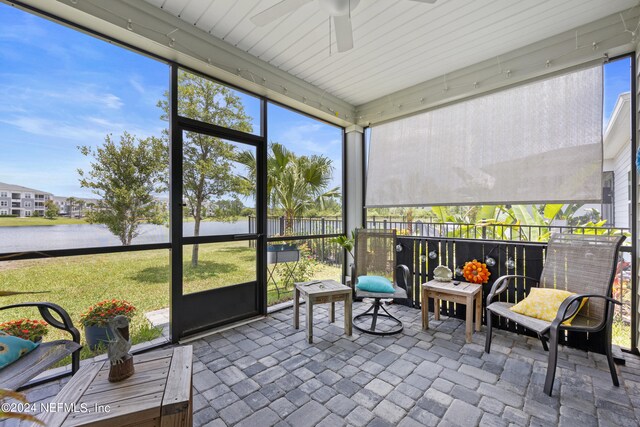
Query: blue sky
616, 81
60, 88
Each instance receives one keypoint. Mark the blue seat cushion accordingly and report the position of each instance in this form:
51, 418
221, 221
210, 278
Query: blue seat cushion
375, 284
13, 348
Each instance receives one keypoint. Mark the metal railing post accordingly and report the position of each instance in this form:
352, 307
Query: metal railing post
323, 233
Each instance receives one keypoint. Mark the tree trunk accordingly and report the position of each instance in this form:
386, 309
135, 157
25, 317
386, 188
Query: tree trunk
288, 223
126, 235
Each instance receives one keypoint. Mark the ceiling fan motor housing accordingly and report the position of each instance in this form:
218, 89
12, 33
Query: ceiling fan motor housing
338, 7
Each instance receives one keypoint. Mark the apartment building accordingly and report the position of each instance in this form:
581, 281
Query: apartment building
22, 201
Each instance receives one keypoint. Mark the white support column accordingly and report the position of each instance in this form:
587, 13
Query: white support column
354, 163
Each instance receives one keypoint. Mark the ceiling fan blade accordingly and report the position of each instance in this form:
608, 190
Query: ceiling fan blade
344, 33
276, 11
426, 1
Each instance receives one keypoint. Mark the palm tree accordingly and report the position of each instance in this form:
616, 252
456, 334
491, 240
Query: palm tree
294, 183
81, 205
71, 203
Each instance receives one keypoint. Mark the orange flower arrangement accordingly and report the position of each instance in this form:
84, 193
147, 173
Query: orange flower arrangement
26, 329
100, 313
476, 272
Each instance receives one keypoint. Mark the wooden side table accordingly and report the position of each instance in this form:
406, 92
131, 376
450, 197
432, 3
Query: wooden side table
464, 293
157, 394
322, 292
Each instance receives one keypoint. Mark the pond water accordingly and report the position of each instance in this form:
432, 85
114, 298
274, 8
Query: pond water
18, 239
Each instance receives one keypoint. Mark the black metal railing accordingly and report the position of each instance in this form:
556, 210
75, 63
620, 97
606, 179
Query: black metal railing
525, 243
277, 226
491, 231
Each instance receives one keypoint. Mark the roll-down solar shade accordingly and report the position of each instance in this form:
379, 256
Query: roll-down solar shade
540, 142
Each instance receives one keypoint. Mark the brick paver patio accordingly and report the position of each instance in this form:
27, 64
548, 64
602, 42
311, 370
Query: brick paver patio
265, 373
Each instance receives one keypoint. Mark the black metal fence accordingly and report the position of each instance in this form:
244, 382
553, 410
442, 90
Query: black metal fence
523, 258
491, 231
321, 249
456, 242
428, 228
277, 226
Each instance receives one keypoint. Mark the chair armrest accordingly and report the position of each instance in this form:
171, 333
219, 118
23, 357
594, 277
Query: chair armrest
501, 284
45, 309
571, 305
403, 278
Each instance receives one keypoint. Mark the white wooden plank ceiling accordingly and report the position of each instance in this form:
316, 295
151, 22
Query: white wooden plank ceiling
397, 44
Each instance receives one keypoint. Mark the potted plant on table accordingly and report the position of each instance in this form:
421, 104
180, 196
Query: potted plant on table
96, 319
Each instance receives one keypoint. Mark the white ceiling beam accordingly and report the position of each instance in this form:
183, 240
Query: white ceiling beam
164, 35
523, 64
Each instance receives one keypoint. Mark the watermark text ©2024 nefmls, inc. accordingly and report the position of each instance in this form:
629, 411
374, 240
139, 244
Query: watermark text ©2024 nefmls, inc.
53, 407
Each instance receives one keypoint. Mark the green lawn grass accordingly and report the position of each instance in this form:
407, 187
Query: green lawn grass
38, 221
142, 278
621, 333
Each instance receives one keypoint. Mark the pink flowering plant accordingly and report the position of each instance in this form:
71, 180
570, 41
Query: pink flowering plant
100, 313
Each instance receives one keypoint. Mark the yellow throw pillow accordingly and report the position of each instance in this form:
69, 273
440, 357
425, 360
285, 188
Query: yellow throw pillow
543, 304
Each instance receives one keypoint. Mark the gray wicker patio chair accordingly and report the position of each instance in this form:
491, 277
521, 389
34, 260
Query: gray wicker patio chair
583, 264
375, 254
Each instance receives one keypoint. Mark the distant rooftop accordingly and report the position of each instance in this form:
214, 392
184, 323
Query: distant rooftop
19, 188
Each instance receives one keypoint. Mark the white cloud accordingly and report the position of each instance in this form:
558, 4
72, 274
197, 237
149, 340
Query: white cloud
85, 96
305, 137
134, 81
112, 101
51, 128
23, 31
102, 122
295, 132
